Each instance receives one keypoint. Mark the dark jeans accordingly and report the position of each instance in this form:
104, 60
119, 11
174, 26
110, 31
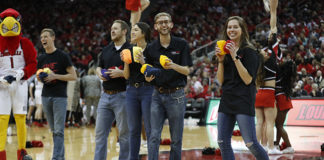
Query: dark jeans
172, 107
138, 105
225, 126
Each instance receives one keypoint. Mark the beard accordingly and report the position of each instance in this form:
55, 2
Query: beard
116, 38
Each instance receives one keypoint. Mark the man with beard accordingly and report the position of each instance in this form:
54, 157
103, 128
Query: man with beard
112, 102
168, 100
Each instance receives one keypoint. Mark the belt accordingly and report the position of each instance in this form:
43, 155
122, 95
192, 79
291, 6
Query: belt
140, 84
113, 91
167, 90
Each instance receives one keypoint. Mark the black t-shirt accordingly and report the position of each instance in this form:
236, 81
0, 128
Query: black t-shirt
238, 98
58, 62
135, 75
178, 51
110, 58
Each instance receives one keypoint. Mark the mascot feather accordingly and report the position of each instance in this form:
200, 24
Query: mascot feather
17, 64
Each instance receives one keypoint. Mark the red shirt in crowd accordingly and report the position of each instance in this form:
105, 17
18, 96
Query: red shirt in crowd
307, 66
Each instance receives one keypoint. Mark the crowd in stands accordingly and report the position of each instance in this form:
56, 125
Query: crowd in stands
82, 31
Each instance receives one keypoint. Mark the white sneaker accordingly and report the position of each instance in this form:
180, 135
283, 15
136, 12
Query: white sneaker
288, 150
274, 151
9, 131
277, 147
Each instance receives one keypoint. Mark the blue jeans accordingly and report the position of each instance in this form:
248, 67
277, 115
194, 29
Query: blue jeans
109, 108
172, 107
225, 126
138, 104
55, 111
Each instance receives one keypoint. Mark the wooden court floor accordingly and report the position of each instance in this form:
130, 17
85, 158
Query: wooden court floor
80, 143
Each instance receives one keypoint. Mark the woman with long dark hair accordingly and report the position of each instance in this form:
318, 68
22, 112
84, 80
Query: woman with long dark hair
236, 73
138, 92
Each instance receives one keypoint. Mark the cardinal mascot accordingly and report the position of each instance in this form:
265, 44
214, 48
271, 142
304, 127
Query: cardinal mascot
17, 64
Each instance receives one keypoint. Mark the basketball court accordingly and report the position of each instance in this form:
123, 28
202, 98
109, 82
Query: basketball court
80, 143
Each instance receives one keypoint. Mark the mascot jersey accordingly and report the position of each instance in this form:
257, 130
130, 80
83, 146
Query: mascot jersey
17, 63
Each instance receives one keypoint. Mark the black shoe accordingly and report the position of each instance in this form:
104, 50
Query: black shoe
208, 151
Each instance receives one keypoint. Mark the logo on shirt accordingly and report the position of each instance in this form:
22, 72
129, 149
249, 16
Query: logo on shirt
175, 52
6, 53
51, 66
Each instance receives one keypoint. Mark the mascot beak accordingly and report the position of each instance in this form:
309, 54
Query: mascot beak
10, 27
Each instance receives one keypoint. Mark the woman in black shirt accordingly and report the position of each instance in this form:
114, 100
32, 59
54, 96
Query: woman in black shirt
237, 72
138, 91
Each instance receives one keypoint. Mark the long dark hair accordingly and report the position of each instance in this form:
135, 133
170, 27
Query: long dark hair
288, 73
261, 71
146, 30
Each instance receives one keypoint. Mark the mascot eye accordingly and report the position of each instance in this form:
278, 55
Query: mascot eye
18, 18
15, 28
4, 29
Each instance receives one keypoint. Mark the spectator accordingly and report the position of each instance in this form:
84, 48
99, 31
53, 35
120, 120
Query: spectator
308, 84
292, 40
73, 102
197, 86
318, 78
298, 91
315, 91
91, 90
305, 65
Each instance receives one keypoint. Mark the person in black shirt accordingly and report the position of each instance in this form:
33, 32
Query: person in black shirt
112, 102
54, 96
168, 99
138, 92
237, 73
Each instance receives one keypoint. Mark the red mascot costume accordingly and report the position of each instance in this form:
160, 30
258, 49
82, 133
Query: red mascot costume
17, 63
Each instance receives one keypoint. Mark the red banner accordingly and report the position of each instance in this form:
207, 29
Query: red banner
306, 112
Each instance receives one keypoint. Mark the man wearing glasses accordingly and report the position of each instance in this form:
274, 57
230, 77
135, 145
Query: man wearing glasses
168, 100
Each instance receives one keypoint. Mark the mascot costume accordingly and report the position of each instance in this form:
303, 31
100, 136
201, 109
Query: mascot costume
17, 63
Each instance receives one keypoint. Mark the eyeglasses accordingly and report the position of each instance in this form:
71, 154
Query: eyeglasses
163, 22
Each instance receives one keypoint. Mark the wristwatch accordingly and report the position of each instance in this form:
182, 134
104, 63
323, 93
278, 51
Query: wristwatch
237, 57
